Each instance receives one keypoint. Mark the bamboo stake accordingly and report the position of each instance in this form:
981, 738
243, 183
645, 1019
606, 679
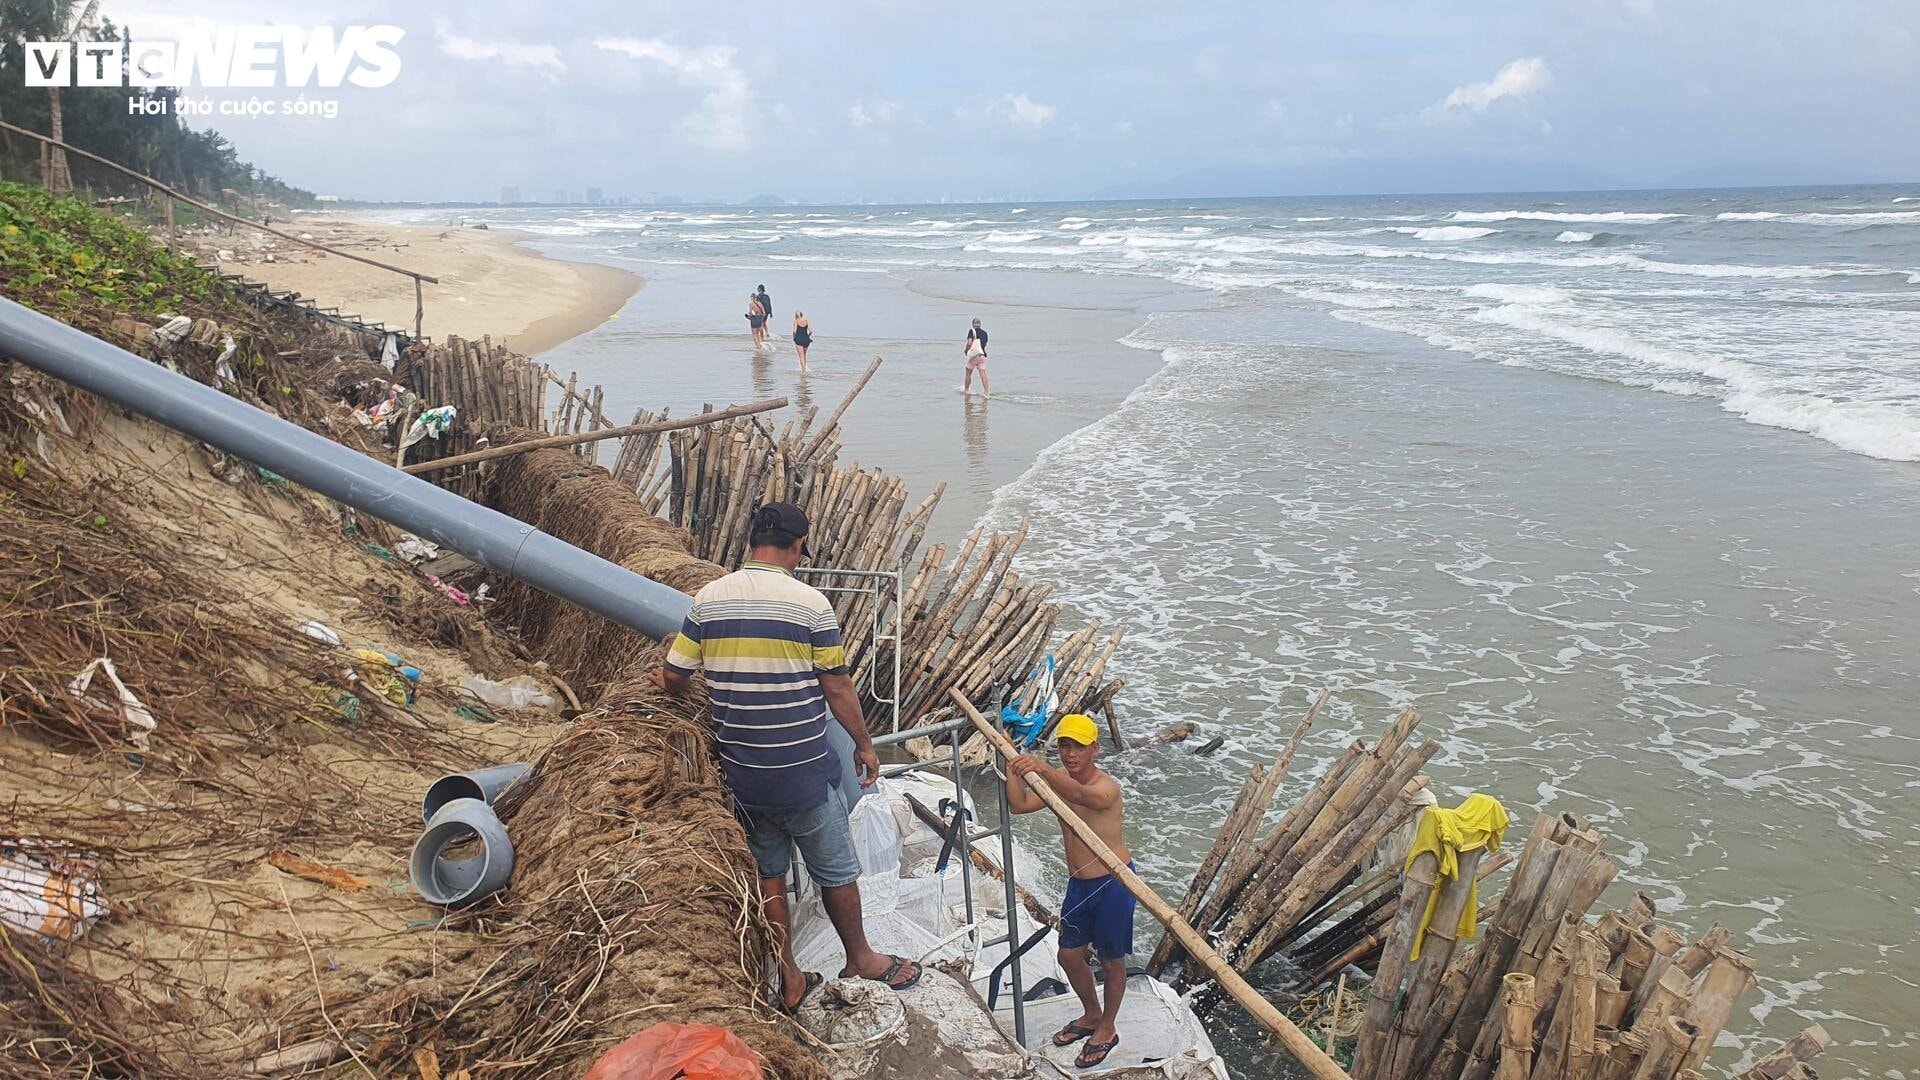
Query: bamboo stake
1793, 1054
1729, 976
604, 433
1516, 1031
1415, 889
1436, 946
1257, 795
1694, 958
1314, 1059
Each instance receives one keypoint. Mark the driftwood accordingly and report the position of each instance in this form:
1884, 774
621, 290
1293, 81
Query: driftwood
1172, 733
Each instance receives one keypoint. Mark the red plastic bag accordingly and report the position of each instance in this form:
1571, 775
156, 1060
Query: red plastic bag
669, 1051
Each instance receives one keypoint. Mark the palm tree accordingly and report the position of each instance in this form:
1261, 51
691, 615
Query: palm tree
51, 20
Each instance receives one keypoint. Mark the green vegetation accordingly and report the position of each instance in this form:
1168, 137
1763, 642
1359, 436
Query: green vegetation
57, 254
94, 118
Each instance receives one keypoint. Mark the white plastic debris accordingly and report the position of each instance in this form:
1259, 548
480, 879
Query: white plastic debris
220, 365
516, 693
136, 714
48, 888
320, 632
172, 331
430, 424
413, 549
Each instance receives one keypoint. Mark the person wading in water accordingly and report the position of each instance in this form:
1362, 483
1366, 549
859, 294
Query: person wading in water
976, 347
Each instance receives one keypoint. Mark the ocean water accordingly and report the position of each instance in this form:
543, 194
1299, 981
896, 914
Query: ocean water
1618, 489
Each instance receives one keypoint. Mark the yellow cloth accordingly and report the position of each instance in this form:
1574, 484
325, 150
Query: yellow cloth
1474, 824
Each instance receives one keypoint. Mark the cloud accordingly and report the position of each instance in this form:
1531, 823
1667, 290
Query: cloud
867, 113
507, 52
1026, 112
721, 121
1522, 78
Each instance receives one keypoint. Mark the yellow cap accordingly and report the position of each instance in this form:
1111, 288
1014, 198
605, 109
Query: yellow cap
1079, 727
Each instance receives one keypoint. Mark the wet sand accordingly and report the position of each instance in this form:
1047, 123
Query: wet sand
1056, 362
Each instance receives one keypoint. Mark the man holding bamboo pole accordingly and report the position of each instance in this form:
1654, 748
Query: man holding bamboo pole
1098, 910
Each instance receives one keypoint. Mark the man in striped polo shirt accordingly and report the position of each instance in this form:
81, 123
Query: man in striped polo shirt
776, 668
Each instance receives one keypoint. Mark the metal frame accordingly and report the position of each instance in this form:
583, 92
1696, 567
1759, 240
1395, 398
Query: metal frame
885, 614
955, 730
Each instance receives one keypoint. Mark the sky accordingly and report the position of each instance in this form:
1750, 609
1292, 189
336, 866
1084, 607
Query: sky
898, 102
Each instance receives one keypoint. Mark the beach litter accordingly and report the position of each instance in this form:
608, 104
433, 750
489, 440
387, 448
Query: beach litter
693, 1051
393, 678
515, 693
414, 550
320, 632
288, 862
48, 888
130, 708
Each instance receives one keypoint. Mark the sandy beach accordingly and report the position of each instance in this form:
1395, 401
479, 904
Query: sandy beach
490, 283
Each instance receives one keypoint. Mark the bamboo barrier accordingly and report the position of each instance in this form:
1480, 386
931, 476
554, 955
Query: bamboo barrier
1303, 1049
1609, 998
491, 388
1554, 986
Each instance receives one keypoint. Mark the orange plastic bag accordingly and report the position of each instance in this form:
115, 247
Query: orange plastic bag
668, 1051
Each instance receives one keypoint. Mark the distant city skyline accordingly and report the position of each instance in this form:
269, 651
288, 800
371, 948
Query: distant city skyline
857, 103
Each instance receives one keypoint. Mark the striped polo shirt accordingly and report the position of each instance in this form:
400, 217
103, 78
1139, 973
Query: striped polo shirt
764, 638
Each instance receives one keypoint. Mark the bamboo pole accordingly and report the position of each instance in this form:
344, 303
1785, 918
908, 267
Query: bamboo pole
695, 420
1415, 889
1314, 1059
1436, 946
1516, 1029
1729, 976
833, 418
1791, 1055
1694, 958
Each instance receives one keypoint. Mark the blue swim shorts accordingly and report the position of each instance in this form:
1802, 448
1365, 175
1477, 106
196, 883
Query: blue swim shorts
822, 833
1098, 912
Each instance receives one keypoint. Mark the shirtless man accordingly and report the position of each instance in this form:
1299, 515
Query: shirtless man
1098, 910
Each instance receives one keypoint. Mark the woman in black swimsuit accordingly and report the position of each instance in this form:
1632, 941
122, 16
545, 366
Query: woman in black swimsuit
802, 336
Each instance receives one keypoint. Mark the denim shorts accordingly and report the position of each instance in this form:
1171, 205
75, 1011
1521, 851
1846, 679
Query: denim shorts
824, 837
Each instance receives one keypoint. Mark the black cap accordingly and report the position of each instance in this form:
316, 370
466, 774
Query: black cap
786, 517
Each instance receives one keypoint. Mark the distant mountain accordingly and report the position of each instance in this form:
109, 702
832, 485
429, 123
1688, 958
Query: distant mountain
1375, 176
765, 200
1765, 174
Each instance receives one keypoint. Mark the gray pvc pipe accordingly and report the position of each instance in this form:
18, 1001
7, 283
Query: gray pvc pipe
483, 784
490, 538
454, 882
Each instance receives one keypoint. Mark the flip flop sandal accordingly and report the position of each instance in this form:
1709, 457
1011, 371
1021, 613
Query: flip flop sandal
813, 982
1094, 1053
1071, 1034
894, 969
